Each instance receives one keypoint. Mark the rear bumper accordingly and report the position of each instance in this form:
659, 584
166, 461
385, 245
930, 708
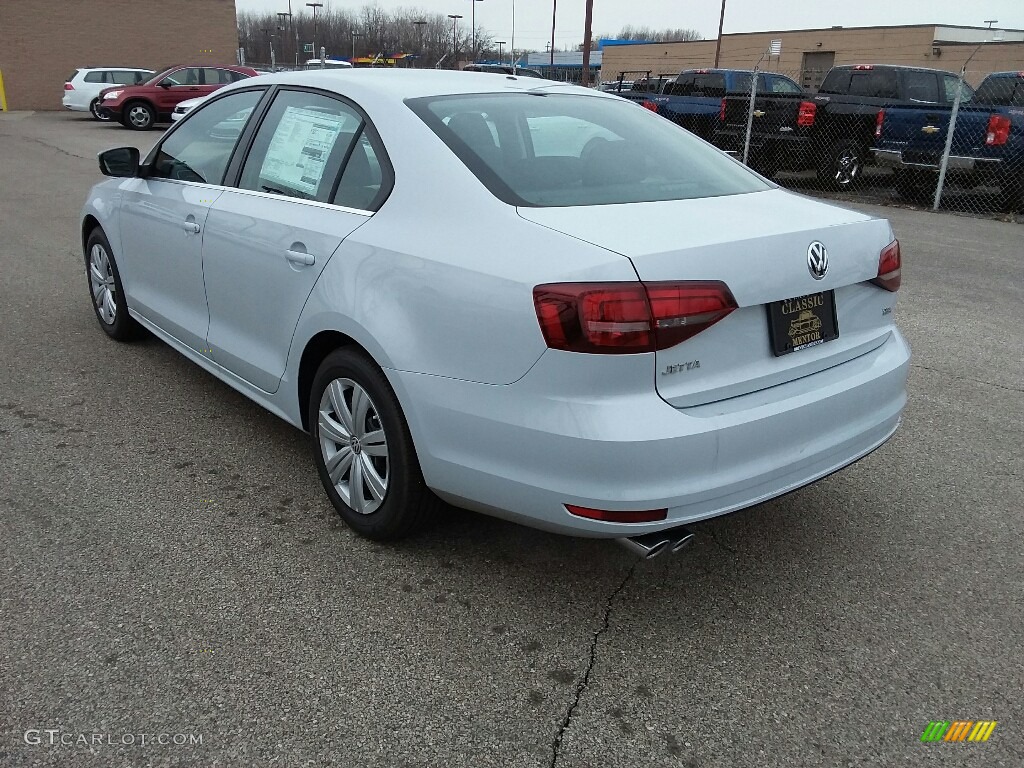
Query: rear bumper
894, 159
523, 451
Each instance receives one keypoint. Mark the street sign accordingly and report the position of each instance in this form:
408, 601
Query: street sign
307, 47
776, 48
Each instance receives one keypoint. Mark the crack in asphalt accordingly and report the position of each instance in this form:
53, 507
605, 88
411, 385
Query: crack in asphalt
966, 378
584, 683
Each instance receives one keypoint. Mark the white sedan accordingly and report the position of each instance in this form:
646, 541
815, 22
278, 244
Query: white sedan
185, 107
524, 298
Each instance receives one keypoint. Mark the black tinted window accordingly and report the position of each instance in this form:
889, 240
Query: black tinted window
874, 83
782, 85
199, 149
96, 77
921, 87
682, 86
710, 85
124, 77
301, 146
1000, 91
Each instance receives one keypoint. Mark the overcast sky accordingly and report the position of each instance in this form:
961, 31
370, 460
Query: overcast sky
533, 17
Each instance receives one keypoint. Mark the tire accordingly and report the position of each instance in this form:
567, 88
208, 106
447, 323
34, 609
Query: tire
915, 186
105, 290
138, 115
352, 409
842, 166
98, 112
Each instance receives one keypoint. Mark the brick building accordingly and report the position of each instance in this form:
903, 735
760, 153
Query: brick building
41, 44
807, 54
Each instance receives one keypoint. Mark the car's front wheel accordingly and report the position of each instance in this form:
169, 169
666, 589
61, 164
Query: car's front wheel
842, 166
363, 450
139, 116
108, 300
98, 112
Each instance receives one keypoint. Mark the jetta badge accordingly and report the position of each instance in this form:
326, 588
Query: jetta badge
817, 260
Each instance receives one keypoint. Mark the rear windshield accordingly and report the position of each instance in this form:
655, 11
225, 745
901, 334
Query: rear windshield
1000, 91
556, 149
872, 83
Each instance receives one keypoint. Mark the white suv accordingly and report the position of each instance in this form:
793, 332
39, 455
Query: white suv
82, 89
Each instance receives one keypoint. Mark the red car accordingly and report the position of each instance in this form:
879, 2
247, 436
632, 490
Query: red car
141, 106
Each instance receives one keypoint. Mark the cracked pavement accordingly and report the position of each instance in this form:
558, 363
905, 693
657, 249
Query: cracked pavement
169, 563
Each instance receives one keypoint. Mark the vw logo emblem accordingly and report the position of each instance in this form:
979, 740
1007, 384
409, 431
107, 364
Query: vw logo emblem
817, 260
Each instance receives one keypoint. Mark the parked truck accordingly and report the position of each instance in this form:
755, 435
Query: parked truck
833, 131
695, 98
987, 147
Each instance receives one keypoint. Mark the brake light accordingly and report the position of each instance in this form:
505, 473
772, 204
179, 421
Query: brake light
721, 112
650, 105
701, 71
808, 110
611, 516
626, 318
878, 123
998, 131
889, 264
68, 87
864, 66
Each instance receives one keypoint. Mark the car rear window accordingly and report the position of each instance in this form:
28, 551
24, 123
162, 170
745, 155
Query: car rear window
556, 149
872, 83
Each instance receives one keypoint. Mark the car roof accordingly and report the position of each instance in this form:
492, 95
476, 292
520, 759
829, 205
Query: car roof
116, 69
375, 85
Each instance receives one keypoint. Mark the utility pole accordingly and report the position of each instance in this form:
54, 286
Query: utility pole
500, 44
283, 17
474, 2
419, 25
718, 44
554, 10
455, 37
588, 23
314, 6
354, 36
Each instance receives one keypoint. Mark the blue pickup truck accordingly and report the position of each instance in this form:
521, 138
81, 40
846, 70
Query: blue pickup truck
987, 148
695, 99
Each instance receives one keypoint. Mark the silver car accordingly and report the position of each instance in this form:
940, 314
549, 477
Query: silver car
524, 298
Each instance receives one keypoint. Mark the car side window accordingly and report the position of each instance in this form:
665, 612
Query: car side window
362, 182
122, 77
782, 85
96, 77
199, 149
949, 86
301, 146
188, 76
921, 87
141, 77
217, 76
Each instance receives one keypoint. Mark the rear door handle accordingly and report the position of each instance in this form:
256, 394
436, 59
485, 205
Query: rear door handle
191, 227
299, 257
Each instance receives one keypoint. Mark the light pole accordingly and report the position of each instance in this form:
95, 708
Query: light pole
283, 18
314, 6
455, 37
474, 2
554, 10
501, 44
354, 36
419, 25
270, 39
718, 45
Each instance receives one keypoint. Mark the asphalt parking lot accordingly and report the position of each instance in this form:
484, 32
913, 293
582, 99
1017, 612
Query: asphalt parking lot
171, 566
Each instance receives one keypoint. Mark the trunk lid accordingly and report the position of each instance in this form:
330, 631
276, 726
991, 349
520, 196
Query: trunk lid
757, 244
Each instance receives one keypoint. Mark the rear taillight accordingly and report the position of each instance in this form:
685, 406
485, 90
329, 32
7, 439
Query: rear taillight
808, 110
621, 516
998, 132
650, 105
889, 264
68, 87
721, 112
879, 121
626, 318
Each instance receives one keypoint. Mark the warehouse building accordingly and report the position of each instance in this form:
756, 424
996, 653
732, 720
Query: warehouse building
41, 45
807, 54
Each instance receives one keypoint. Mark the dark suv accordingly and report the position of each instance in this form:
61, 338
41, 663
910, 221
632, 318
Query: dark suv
142, 106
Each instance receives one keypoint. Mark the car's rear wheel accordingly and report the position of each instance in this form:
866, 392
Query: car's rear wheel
363, 450
1011, 193
139, 116
842, 166
98, 112
108, 300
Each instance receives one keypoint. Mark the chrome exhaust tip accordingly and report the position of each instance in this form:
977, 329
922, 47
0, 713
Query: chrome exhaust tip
650, 545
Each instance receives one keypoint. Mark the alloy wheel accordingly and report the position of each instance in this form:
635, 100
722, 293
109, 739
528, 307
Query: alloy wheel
139, 116
101, 279
354, 446
847, 167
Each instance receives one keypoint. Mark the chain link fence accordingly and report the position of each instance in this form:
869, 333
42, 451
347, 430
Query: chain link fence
869, 133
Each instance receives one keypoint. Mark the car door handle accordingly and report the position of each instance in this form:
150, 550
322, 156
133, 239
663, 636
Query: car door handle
191, 227
299, 257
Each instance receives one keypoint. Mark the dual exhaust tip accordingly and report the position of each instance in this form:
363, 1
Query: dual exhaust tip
650, 545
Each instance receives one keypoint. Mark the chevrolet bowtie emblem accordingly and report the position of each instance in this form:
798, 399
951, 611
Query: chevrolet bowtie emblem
930, 129
758, 113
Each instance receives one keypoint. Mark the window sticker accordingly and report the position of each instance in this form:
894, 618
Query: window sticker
301, 146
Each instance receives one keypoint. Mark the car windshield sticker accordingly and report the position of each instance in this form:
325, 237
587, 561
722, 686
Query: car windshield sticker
300, 148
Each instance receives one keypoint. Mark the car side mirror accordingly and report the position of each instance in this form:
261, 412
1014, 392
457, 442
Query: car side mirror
165, 84
120, 163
